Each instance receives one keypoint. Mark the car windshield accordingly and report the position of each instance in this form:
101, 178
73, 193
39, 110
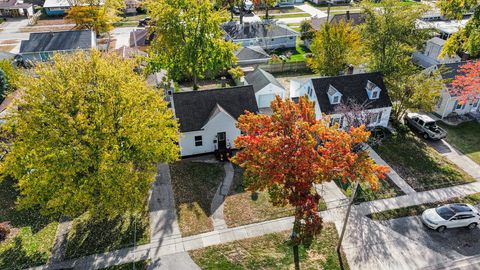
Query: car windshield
445, 212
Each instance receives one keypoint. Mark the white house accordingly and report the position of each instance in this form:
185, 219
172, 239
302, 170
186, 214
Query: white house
208, 118
266, 87
367, 89
431, 55
448, 102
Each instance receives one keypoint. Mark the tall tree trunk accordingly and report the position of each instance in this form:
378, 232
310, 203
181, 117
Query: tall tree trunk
339, 245
294, 241
266, 11
195, 81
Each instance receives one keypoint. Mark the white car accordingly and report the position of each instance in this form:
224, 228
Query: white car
451, 216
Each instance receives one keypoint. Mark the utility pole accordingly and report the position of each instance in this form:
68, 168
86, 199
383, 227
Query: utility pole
339, 245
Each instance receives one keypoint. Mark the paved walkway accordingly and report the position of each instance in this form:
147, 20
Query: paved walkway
393, 175
332, 195
163, 217
314, 12
219, 198
59, 247
457, 157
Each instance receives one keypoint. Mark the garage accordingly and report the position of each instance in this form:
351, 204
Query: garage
265, 100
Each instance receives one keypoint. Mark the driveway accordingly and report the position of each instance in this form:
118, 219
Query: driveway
453, 244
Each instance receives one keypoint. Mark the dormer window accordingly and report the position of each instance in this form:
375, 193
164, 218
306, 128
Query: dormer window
373, 90
334, 95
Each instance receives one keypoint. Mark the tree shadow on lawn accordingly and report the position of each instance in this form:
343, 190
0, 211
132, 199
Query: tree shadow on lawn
196, 183
19, 217
16, 257
90, 235
419, 164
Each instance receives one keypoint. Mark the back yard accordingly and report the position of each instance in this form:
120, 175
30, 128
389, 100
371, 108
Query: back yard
419, 164
466, 138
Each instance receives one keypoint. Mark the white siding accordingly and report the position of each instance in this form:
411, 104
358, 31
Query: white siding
220, 123
447, 105
267, 94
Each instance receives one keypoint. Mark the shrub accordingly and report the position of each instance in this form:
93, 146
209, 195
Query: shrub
4, 230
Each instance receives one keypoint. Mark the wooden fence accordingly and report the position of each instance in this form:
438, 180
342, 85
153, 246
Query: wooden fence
284, 67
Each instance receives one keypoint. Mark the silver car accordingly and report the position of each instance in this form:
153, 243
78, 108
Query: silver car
425, 125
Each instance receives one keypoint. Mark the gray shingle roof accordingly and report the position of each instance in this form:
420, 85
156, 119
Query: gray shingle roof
194, 108
58, 41
353, 17
256, 30
352, 87
260, 78
251, 53
451, 70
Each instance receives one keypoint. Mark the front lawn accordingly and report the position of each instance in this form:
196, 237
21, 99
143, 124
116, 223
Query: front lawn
246, 207
418, 209
386, 189
194, 186
271, 251
419, 164
90, 235
32, 236
466, 138
296, 54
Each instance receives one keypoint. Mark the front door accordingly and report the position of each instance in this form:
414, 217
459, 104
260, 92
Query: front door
222, 140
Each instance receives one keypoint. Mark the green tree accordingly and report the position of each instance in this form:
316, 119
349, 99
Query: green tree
189, 41
11, 73
88, 137
96, 15
307, 33
390, 35
467, 38
414, 90
333, 48
4, 85
266, 4
96, 18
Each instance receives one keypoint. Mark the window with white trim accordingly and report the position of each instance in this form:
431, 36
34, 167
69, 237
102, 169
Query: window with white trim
198, 141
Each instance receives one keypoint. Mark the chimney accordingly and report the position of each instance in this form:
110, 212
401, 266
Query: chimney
465, 56
350, 69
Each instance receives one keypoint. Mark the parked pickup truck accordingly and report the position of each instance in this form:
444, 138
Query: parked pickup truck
425, 125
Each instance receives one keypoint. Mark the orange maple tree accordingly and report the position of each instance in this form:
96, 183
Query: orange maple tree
467, 85
290, 151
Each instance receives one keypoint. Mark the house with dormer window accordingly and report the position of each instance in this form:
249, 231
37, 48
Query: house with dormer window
328, 93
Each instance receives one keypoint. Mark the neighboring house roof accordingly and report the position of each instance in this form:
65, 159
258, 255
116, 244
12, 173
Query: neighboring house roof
424, 61
352, 87
237, 31
438, 41
13, 4
159, 79
193, 109
451, 70
6, 55
140, 37
260, 78
58, 41
251, 53
352, 17
56, 3
128, 52
64, 3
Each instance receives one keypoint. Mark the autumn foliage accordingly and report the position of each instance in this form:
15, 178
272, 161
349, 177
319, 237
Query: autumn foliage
290, 151
467, 85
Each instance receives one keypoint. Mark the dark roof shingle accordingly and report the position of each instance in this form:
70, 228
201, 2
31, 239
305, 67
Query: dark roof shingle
58, 41
352, 87
251, 53
194, 108
256, 30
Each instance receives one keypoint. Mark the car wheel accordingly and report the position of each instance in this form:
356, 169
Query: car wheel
472, 226
425, 136
441, 229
